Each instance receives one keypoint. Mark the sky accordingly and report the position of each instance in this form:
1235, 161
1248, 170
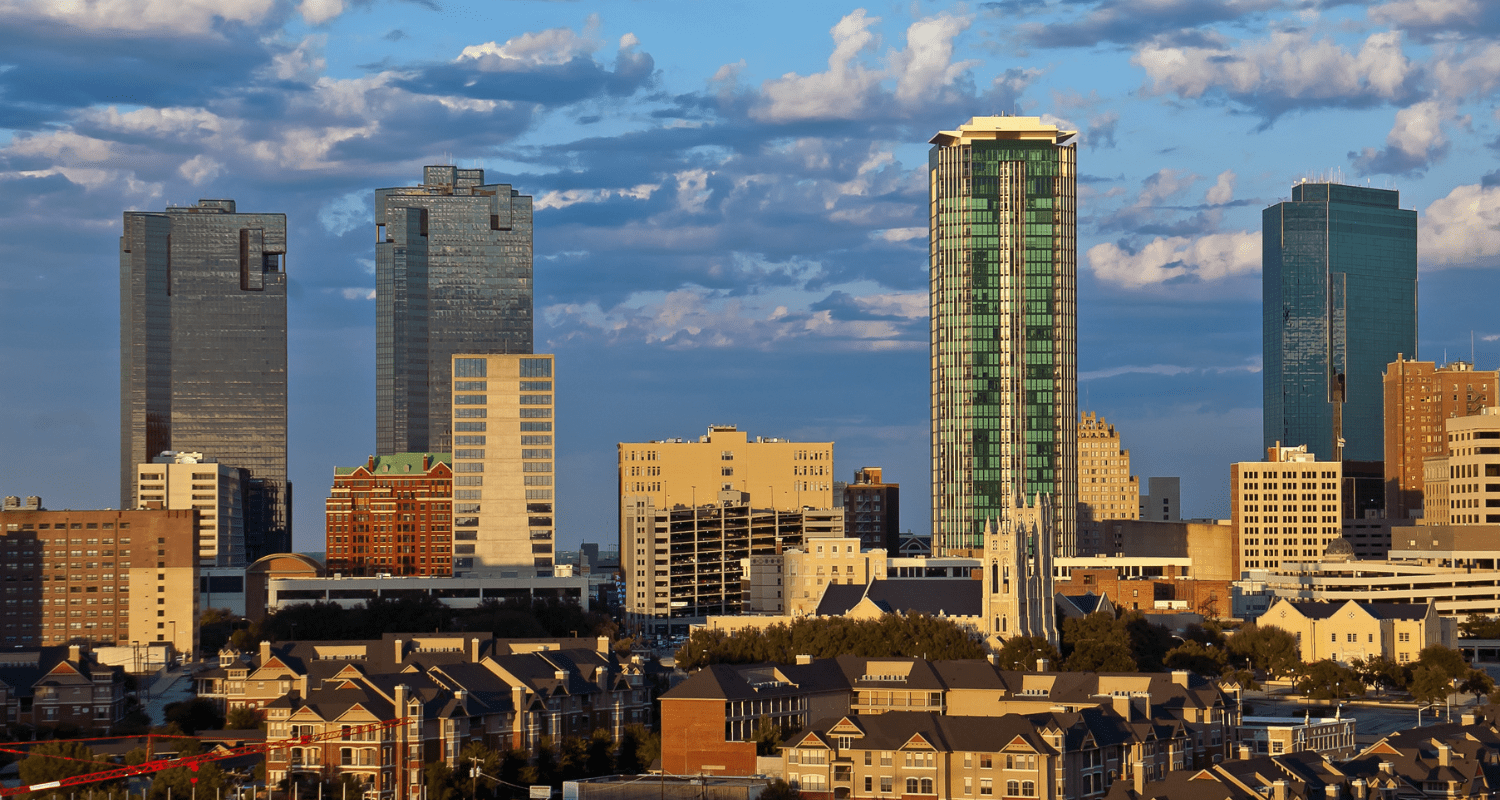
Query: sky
730, 202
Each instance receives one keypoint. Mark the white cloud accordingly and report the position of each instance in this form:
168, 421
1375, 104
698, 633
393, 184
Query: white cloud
1466, 71
1462, 228
347, 212
550, 47
357, 293
1289, 65
567, 197
1415, 140
1164, 184
1254, 365
1205, 258
182, 17
200, 169
317, 12
1425, 13
1223, 189
304, 62
900, 234
692, 190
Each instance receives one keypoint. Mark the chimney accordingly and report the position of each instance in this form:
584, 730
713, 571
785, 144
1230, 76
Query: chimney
75, 653
1470, 718
1387, 768
561, 675
400, 645
370, 464
1042, 665
474, 649
602, 644
1121, 704
1142, 702
1180, 677
401, 691
1278, 790
458, 697
265, 652
426, 461
1358, 785
1138, 771
1245, 753
804, 659
1445, 755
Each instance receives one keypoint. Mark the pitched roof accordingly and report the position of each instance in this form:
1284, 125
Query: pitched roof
399, 463
952, 598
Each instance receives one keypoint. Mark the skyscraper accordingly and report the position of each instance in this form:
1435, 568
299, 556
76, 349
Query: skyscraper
203, 352
1106, 489
1339, 303
1419, 398
1003, 257
452, 275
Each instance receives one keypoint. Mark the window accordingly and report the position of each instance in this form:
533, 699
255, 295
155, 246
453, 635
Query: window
985, 761
986, 786
912, 785
536, 367
867, 760
1353, 637
869, 781
469, 367
885, 759
887, 784
1028, 789
1012, 788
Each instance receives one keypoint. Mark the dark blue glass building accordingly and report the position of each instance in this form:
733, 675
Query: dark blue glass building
1339, 289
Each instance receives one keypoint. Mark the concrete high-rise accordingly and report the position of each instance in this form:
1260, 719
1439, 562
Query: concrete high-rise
1339, 303
203, 363
1419, 398
1286, 508
452, 275
1003, 273
1106, 489
182, 481
504, 507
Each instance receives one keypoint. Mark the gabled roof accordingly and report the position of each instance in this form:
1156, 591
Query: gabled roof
948, 597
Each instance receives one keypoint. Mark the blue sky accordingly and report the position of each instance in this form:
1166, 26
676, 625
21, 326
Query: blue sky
730, 201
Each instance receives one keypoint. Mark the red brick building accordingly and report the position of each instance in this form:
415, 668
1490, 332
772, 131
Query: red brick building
47, 687
393, 515
1130, 593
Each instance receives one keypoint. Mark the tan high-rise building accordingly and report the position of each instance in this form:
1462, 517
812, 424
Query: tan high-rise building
188, 480
1464, 487
775, 473
1106, 489
1419, 398
105, 577
503, 464
1286, 508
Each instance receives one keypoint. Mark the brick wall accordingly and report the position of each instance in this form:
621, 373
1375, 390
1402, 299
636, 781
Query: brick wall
692, 740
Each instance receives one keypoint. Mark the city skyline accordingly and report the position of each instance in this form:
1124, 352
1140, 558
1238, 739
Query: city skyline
696, 215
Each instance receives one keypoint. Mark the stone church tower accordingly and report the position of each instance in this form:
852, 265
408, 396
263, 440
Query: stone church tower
1017, 558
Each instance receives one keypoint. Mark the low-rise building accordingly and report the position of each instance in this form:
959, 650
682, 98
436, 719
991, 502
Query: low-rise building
1353, 630
1332, 737
48, 687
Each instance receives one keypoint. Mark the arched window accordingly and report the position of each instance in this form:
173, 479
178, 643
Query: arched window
1012, 789
994, 578
1028, 789
927, 786
912, 785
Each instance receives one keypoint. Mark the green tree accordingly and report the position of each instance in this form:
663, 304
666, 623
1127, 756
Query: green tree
779, 789
543, 769
767, 736
1149, 642
1448, 662
1430, 684
1383, 672
1478, 683
1266, 648
628, 761
242, 719
1022, 653
476, 754
214, 627
1194, 656
1097, 643
1330, 680
1480, 626
208, 779
600, 758
54, 761
892, 635
437, 778
194, 715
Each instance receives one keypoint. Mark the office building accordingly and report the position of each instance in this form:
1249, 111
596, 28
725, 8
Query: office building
1463, 487
1419, 399
775, 473
1106, 489
1339, 303
452, 275
684, 563
392, 515
189, 480
203, 352
103, 577
1003, 283
503, 493
1286, 508
1355, 630
872, 509
1162, 501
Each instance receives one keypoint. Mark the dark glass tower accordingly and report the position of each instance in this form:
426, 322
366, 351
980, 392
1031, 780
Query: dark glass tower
1003, 260
203, 352
452, 275
1339, 287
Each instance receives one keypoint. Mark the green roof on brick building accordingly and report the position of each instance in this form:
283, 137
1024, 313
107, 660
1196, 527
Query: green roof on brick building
400, 464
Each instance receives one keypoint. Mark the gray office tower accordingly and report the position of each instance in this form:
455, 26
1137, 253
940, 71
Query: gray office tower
1339, 287
203, 352
452, 275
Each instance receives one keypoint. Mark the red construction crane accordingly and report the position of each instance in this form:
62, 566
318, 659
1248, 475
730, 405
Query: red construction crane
191, 762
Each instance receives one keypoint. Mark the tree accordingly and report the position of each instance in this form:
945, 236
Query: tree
1330, 680
600, 758
543, 768
1268, 649
437, 779
476, 754
54, 761
1149, 642
1430, 685
1194, 656
891, 635
768, 736
242, 719
1381, 671
628, 761
214, 628
1480, 626
1023, 652
194, 715
1478, 683
779, 789
208, 779
1448, 662
1097, 643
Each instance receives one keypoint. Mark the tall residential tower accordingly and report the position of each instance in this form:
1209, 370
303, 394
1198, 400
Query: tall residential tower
452, 275
1339, 303
203, 352
1003, 257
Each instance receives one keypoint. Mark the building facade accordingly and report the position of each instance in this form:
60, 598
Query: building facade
1162, 501
188, 480
1419, 399
1002, 239
1339, 299
775, 473
1354, 630
392, 515
1018, 573
47, 687
1465, 486
452, 275
1286, 508
203, 352
102, 577
1106, 489
503, 458
872, 509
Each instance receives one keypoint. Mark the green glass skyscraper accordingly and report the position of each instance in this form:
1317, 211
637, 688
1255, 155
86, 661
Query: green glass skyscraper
1003, 253
1339, 291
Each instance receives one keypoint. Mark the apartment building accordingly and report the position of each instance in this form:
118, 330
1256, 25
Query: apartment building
1355, 630
393, 515
709, 720
1049, 755
503, 457
1464, 485
47, 687
1106, 489
775, 473
102, 577
1420, 397
1286, 508
872, 509
190, 480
